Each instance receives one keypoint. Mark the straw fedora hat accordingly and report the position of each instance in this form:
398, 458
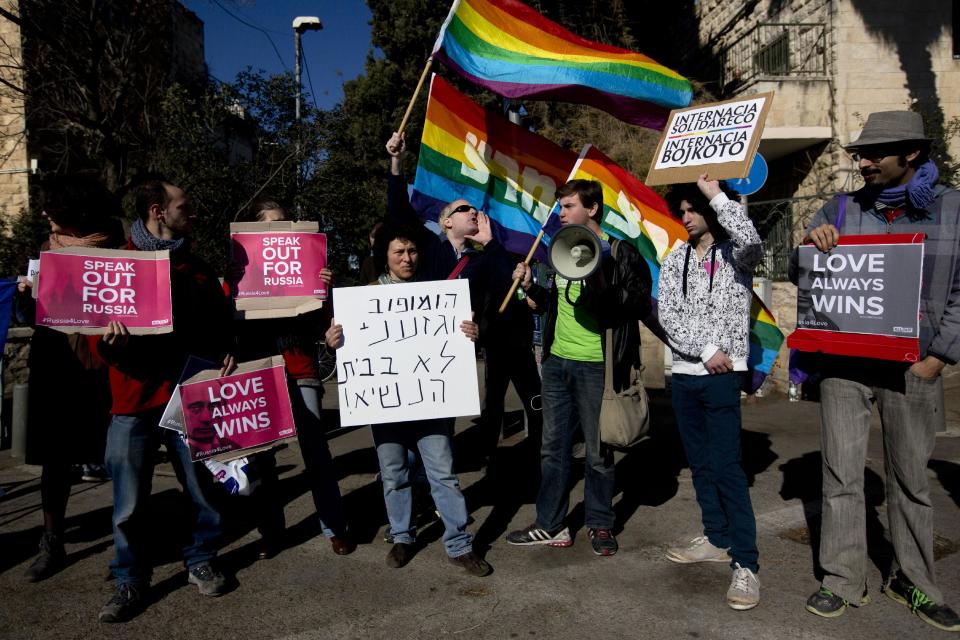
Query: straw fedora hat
886, 127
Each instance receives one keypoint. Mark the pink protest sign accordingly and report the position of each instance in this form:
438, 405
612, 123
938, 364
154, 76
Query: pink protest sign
281, 264
81, 290
245, 410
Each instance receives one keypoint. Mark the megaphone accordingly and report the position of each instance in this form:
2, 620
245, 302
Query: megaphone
575, 252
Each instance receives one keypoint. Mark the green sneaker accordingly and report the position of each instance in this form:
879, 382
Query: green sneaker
901, 590
827, 604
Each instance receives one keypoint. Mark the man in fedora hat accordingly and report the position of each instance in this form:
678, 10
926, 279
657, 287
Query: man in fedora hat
900, 195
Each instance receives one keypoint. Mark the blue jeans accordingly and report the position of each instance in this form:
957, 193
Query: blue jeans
708, 416
432, 439
131, 443
571, 393
317, 460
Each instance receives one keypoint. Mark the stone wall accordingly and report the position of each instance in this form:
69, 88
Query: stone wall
14, 161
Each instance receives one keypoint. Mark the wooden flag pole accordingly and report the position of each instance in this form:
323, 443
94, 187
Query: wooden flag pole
416, 92
516, 281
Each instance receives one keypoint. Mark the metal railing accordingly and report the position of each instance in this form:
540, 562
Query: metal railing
775, 50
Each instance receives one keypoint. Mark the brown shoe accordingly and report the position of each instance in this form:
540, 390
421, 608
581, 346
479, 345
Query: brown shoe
342, 545
399, 555
473, 564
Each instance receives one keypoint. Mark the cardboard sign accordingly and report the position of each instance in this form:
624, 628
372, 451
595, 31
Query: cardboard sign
242, 411
867, 286
404, 356
33, 268
281, 264
172, 417
719, 138
81, 290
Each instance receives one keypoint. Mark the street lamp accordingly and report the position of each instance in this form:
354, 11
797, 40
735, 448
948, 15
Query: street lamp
300, 25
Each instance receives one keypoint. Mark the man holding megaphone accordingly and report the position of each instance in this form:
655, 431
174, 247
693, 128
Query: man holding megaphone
598, 286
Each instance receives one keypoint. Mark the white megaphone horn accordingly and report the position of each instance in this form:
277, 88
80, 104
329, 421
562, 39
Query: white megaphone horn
575, 252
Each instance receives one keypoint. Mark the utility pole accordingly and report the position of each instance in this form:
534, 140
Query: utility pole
300, 25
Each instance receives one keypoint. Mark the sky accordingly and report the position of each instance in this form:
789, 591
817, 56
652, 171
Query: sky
335, 54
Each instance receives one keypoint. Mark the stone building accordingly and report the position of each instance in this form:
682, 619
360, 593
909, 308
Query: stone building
182, 55
830, 63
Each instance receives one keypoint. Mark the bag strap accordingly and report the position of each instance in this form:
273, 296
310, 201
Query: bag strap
608, 351
460, 265
841, 212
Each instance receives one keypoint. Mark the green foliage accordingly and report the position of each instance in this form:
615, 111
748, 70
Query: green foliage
20, 239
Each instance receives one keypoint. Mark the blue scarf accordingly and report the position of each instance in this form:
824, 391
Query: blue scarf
918, 192
146, 241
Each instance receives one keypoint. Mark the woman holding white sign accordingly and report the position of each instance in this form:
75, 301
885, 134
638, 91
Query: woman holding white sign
397, 250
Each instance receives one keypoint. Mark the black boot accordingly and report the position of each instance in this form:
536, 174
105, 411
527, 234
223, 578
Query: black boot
50, 560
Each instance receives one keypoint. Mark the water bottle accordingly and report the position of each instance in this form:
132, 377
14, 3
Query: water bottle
793, 393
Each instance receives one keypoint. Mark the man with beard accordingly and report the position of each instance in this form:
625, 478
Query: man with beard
901, 195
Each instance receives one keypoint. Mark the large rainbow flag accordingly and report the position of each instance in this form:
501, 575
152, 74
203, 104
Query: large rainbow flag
636, 214
501, 168
507, 47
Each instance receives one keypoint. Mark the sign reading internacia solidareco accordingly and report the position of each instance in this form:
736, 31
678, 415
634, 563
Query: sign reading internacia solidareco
719, 139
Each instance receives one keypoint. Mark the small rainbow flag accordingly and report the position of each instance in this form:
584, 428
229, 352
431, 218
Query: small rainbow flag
501, 168
636, 214
510, 49
765, 341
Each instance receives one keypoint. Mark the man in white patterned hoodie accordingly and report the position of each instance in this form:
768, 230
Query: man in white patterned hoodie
704, 307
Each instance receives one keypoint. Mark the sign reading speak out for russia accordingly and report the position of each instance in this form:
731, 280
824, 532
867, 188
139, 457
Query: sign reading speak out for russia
719, 139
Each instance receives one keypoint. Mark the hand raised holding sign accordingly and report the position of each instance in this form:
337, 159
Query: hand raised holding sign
117, 335
334, 335
709, 188
824, 237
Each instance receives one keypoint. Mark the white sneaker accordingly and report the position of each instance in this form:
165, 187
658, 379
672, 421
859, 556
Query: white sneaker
744, 591
699, 550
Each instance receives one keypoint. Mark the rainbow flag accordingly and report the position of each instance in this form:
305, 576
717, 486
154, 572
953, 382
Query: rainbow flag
507, 47
631, 210
765, 341
634, 213
501, 168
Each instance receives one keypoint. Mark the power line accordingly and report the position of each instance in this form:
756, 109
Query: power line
313, 94
257, 27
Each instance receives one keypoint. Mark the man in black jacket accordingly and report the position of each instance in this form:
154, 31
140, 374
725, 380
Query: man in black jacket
615, 297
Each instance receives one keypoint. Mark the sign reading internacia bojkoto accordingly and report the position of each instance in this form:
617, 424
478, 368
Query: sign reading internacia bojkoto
719, 139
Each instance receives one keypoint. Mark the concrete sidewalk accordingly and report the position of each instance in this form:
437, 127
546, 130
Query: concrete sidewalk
308, 592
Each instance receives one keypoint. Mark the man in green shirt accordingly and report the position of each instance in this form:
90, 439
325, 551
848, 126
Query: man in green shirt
577, 313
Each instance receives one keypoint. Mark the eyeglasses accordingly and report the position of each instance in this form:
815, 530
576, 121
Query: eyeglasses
463, 209
874, 155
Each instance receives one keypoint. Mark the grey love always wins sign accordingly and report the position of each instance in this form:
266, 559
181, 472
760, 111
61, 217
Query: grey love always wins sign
861, 288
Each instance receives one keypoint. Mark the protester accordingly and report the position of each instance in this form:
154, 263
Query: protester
706, 289
576, 314
901, 195
143, 373
396, 249
297, 339
507, 341
368, 268
454, 254
69, 406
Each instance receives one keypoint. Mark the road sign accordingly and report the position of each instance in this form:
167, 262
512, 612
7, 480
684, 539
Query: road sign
754, 180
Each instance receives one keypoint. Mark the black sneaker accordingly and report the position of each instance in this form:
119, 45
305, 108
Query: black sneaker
124, 605
472, 564
604, 544
208, 580
899, 589
399, 555
50, 560
827, 604
535, 535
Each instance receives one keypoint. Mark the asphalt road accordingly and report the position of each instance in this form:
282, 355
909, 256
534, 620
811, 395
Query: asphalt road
308, 592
